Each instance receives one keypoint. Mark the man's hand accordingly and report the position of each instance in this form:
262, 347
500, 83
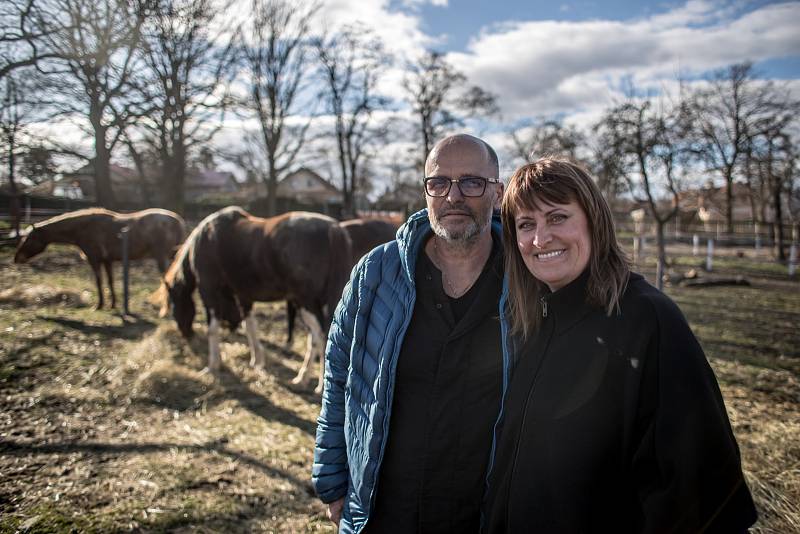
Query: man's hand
335, 511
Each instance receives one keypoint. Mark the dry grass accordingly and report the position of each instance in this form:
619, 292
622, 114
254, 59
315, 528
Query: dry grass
110, 425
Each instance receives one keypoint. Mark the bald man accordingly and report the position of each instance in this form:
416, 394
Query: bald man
414, 361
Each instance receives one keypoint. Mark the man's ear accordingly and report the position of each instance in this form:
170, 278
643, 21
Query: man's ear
498, 199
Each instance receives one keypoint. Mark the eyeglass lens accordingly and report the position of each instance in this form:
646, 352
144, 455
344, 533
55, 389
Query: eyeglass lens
470, 186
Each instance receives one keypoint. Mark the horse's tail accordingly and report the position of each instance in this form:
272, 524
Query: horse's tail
338, 271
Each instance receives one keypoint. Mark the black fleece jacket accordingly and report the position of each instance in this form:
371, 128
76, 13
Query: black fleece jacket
615, 424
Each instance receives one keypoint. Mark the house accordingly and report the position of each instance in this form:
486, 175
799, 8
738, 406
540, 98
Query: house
129, 186
126, 183
404, 196
205, 183
308, 187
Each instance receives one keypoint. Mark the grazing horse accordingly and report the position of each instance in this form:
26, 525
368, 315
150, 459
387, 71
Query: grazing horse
235, 259
365, 234
152, 233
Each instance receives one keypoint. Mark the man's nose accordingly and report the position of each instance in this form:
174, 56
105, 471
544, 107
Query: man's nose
454, 195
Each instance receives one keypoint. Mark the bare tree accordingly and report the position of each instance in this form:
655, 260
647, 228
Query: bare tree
440, 98
189, 52
733, 105
352, 61
546, 137
88, 48
274, 46
773, 157
15, 112
648, 140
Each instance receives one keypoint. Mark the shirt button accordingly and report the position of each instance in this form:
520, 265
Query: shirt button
438, 306
429, 277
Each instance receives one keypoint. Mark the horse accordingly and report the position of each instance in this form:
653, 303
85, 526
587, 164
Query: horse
365, 235
235, 259
152, 233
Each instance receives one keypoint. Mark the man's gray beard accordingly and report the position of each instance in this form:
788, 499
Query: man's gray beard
464, 237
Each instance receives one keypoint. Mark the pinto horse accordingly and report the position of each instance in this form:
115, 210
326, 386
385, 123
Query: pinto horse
235, 259
152, 233
365, 235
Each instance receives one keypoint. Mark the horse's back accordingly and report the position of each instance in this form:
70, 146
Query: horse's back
366, 234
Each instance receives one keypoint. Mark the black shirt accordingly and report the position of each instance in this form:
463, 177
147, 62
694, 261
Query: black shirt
446, 399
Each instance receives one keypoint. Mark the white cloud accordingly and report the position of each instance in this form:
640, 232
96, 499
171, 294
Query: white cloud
546, 67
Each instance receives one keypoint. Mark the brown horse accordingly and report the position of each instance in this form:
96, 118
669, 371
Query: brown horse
365, 235
152, 233
235, 259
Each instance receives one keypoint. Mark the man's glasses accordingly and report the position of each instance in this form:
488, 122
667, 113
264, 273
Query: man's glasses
470, 186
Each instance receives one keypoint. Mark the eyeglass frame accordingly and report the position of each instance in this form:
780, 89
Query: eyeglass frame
457, 181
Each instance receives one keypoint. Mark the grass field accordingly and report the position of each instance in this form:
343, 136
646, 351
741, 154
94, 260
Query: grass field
109, 425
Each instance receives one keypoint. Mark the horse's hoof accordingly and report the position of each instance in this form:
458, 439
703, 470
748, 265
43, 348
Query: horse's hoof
318, 390
297, 380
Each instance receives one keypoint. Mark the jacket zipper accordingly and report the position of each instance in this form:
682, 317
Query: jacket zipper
543, 300
524, 416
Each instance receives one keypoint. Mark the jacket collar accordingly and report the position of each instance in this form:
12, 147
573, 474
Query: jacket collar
413, 234
568, 305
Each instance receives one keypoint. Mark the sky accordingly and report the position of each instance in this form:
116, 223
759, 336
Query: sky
570, 59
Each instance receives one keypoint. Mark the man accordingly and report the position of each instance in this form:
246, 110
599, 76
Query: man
414, 361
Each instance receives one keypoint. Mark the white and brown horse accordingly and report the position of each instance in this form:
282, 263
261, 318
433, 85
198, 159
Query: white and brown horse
235, 259
365, 235
152, 233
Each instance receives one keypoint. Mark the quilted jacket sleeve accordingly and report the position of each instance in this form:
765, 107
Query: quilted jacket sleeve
330, 472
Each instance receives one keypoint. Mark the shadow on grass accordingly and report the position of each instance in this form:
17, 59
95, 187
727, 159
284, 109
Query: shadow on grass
259, 405
133, 327
20, 448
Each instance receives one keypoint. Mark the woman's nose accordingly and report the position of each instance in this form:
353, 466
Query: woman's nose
542, 237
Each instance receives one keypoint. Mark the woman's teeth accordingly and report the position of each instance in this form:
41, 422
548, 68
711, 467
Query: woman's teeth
548, 255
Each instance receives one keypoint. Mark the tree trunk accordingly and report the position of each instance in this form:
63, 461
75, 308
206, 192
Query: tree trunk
780, 254
729, 201
104, 194
662, 253
14, 207
272, 189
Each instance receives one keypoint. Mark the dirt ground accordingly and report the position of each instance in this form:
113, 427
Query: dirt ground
111, 425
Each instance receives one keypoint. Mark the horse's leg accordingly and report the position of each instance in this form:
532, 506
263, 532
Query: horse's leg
315, 343
214, 359
301, 374
99, 283
110, 276
256, 350
291, 312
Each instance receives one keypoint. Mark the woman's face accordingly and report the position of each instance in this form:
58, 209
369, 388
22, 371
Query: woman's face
554, 242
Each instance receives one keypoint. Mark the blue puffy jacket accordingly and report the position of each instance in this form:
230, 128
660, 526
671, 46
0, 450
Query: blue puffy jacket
364, 342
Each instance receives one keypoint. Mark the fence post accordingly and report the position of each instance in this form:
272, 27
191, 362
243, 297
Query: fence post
710, 255
125, 270
793, 251
695, 245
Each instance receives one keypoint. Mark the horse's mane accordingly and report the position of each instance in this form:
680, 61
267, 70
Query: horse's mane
180, 268
74, 215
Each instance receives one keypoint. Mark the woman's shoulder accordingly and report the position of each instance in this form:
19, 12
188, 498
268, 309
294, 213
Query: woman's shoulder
643, 301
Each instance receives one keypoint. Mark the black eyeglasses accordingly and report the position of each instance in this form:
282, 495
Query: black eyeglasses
470, 186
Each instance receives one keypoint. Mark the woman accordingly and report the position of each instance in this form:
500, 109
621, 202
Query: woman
613, 420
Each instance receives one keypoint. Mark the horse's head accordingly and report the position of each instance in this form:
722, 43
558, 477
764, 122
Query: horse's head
32, 243
183, 309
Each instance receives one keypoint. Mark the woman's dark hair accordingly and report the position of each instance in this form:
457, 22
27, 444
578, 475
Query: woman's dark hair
555, 180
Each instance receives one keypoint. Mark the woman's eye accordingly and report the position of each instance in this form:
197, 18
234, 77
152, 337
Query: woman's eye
558, 218
524, 226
